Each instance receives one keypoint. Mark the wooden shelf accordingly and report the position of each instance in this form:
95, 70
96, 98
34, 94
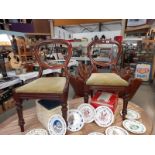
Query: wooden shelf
148, 41
137, 28
37, 34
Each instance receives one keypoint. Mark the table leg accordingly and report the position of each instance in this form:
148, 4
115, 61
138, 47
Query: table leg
19, 109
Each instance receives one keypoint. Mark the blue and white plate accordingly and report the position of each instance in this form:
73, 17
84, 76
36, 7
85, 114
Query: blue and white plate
75, 120
57, 125
134, 126
131, 114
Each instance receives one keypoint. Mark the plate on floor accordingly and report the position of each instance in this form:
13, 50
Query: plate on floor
37, 132
115, 130
95, 133
88, 112
75, 120
56, 125
134, 126
131, 114
104, 116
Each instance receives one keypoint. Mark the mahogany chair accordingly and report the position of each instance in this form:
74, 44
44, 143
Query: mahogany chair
50, 88
109, 82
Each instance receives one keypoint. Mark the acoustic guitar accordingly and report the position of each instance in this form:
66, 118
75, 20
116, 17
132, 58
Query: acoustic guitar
15, 61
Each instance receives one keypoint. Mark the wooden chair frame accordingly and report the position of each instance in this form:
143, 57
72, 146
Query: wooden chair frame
113, 64
19, 97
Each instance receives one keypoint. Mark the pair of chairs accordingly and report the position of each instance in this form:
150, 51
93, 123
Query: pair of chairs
56, 88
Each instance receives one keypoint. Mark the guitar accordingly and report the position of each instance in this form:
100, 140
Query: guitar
15, 61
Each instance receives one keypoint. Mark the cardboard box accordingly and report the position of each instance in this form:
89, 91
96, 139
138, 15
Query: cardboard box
45, 109
105, 99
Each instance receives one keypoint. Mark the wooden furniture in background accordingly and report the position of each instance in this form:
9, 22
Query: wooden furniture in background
23, 52
50, 88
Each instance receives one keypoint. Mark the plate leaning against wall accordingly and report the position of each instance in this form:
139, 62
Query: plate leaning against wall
131, 114
88, 112
134, 126
104, 116
57, 125
115, 130
75, 120
37, 132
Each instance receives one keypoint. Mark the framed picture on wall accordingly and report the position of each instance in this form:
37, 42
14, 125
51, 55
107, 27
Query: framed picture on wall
136, 22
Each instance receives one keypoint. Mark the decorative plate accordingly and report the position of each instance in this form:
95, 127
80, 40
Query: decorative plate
131, 114
115, 130
88, 112
104, 116
57, 125
134, 126
95, 133
37, 132
75, 120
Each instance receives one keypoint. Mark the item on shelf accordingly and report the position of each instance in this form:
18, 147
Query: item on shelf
37, 132
75, 120
143, 71
88, 112
45, 109
57, 125
105, 99
104, 116
15, 61
115, 130
134, 126
131, 114
95, 133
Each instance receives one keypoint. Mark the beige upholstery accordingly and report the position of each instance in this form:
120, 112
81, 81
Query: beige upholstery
106, 79
44, 85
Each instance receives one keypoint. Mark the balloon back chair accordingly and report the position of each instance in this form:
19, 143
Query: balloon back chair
109, 82
50, 88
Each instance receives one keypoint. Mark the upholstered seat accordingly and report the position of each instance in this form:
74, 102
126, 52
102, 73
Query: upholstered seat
44, 85
106, 79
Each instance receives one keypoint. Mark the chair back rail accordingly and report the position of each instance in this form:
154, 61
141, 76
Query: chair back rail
43, 65
112, 63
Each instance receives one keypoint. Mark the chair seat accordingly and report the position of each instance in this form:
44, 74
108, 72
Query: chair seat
44, 85
106, 79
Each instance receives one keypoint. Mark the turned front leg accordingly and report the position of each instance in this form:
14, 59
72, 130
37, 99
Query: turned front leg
86, 94
19, 109
64, 110
125, 105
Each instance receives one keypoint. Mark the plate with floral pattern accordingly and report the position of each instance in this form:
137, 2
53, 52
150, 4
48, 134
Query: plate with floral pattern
57, 125
88, 112
95, 133
134, 126
75, 120
104, 116
37, 132
115, 130
131, 114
